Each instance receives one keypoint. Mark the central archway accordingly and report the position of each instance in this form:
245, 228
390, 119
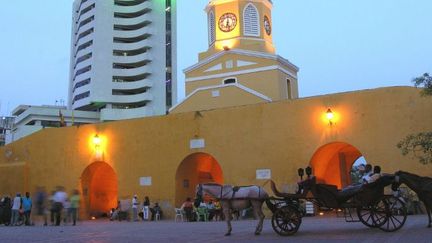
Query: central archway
195, 169
99, 189
332, 163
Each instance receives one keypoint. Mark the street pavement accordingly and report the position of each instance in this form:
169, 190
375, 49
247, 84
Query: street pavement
313, 229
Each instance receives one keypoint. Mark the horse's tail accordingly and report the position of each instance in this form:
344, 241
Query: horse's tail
270, 205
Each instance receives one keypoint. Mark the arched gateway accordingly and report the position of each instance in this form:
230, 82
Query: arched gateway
332, 163
195, 169
99, 189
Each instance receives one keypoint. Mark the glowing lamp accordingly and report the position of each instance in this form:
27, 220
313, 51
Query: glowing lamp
321, 213
329, 116
96, 140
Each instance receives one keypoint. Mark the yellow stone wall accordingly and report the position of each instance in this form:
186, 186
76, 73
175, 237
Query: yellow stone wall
228, 96
281, 136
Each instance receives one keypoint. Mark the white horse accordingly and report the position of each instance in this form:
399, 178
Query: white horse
236, 198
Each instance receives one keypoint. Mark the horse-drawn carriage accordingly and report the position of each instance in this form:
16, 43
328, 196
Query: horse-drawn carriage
364, 203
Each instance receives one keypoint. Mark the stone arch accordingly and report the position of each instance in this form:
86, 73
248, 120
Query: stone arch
99, 189
332, 163
196, 168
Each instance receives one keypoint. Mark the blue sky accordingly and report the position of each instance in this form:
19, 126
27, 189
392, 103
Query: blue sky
339, 45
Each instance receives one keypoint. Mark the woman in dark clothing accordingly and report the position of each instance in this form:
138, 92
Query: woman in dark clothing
146, 208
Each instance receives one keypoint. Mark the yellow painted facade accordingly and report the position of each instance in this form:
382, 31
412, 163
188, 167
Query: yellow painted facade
280, 136
241, 51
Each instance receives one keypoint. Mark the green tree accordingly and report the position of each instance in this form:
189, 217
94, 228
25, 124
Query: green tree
424, 81
420, 144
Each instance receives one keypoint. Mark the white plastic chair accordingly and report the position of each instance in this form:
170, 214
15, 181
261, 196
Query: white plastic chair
178, 213
157, 217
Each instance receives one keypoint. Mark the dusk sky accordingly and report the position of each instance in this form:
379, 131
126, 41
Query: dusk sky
339, 45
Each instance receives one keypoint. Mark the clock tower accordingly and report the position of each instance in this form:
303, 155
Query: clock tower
234, 24
240, 66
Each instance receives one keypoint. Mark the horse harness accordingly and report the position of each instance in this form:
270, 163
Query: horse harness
235, 189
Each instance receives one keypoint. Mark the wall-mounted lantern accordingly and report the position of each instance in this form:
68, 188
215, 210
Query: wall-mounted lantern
96, 140
97, 143
330, 116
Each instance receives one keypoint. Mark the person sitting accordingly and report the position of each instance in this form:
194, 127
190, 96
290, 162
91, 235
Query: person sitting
218, 215
375, 175
367, 174
156, 210
187, 207
202, 205
114, 212
211, 210
364, 180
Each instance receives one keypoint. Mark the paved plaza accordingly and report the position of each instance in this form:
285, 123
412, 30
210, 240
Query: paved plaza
313, 229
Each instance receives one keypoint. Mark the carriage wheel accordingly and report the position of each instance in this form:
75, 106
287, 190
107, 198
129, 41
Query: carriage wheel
373, 216
396, 213
286, 220
365, 215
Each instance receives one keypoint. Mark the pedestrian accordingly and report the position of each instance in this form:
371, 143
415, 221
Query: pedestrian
27, 206
16, 206
51, 208
75, 202
66, 211
41, 204
135, 204
59, 199
145, 208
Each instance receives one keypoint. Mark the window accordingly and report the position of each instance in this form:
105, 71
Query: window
251, 23
211, 25
230, 81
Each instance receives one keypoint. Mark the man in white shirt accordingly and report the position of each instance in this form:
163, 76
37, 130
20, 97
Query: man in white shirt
59, 199
16, 205
135, 204
375, 175
367, 174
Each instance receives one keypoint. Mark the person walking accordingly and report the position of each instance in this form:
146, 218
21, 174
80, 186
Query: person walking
59, 199
75, 201
41, 204
16, 206
27, 206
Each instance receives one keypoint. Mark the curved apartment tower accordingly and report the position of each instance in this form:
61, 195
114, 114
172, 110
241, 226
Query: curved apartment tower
123, 57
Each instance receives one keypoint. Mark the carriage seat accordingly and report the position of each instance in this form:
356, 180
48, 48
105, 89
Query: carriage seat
332, 197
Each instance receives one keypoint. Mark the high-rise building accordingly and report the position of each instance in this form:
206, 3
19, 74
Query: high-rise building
6, 125
123, 57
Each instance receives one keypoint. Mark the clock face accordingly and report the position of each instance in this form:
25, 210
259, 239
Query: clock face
227, 22
267, 25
